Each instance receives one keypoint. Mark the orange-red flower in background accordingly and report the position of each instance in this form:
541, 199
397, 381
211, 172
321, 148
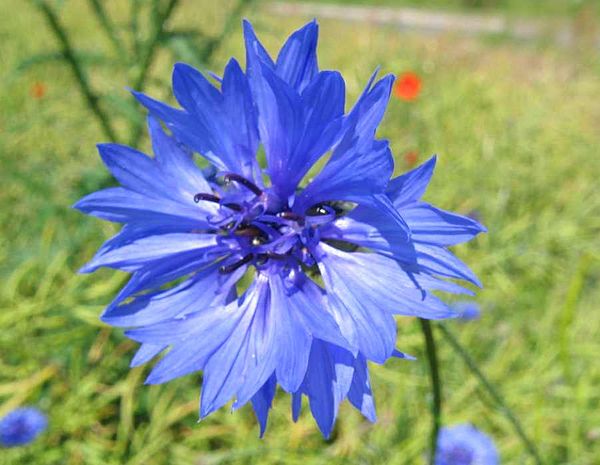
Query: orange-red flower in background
407, 86
411, 158
38, 90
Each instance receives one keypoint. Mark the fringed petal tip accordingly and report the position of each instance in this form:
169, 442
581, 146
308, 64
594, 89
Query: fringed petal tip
396, 353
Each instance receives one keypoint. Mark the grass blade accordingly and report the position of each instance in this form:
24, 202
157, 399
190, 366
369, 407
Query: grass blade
67, 49
107, 26
493, 392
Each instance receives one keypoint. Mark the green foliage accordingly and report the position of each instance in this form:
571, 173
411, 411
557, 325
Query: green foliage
517, 130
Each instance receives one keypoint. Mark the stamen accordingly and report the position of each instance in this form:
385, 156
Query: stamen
320, 214
244, 182
288, 215
276, 256
233, 206
319, 210
206, 197
225, 269
249, 231
263, 258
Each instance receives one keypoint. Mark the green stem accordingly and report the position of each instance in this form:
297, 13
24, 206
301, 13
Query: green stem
67, 50
493, 392
147, 58
436, 408
107, 25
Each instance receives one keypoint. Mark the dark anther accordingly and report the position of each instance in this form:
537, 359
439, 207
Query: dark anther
249, 231
233, 206
277, 256
207, 197
263, 258
234, 266
317, 210
288, 215
243, 181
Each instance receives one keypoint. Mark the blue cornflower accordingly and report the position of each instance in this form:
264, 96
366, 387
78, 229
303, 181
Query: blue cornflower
465, 445
21, 426
265, 275
467, 309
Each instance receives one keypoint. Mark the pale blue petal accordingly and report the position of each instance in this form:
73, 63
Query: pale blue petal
430, 225
355, 304
145, 353
411, 186
153, 249
176, 162
124, 206
360, 394
328, 379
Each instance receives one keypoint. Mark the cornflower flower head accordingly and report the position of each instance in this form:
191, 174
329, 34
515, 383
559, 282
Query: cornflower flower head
467, 310
21, 426
465, 445
260, 274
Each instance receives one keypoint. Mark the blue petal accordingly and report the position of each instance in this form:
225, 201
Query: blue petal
195, 93
137, 230
297, 60
439, 261
411, 186
176, 162
158, 274
362, 320
262, 402
360, 166
255, 52
206, 287
184, 127
176, 330
352, 176
153, 249
228, 120
362, 122
296, 405
145, 353
296, 131
138, 172
247, 358
323, 102
368, 227
399, 354
194, 340
362, 301
430, 225
299, 314
241, 121
328, 379
294, 340
280, 122
360, 394
311, 309
121, 205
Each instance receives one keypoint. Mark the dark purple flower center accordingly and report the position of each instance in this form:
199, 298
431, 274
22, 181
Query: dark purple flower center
260, 227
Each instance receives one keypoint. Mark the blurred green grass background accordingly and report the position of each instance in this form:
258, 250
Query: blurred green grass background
517, 129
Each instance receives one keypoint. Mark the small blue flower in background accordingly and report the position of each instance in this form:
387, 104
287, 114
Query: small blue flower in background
467, 309
21, 426
465, 445
329, 261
